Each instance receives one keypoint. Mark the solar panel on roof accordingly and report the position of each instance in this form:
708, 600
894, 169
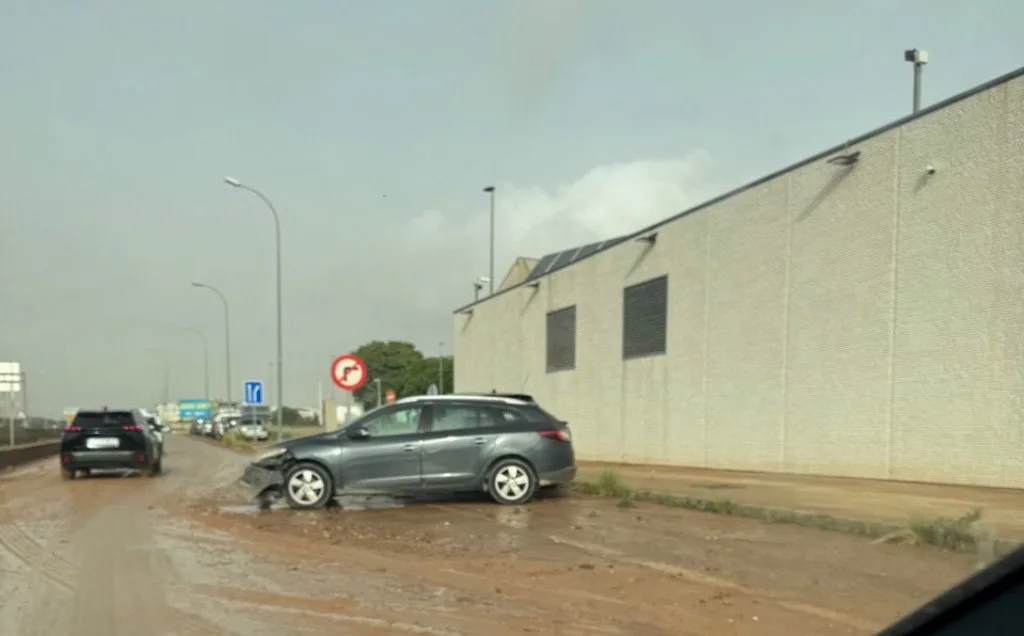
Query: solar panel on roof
541, 267
558, 260
587, 250
612, 241
563, 259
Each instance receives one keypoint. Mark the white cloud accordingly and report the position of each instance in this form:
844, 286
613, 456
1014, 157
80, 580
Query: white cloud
608, 201
441, 253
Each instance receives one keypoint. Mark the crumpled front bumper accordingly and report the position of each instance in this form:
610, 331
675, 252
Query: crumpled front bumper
259, 478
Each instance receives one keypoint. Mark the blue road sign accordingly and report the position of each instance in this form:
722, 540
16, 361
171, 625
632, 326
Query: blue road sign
195, 409
253, 392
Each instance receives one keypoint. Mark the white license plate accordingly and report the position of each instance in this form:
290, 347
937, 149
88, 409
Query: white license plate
102, 442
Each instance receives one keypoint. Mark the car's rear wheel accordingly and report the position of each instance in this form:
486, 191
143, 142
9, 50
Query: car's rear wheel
66, 474
307, 486
512, 482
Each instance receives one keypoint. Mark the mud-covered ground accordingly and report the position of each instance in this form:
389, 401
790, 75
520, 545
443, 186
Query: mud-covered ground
185, 554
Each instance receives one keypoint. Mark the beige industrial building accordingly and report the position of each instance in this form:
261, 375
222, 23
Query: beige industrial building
858, 314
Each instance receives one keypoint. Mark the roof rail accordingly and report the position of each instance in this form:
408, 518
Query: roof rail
510, 398
494, 393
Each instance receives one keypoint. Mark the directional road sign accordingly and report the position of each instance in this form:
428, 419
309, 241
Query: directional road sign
349, 372
254, 392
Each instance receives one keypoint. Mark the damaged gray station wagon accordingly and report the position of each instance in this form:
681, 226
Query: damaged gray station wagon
501, 444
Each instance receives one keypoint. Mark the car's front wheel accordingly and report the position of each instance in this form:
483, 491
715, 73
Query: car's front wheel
511, 482
307, 486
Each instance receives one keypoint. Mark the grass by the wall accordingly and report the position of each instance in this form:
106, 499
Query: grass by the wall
961, 534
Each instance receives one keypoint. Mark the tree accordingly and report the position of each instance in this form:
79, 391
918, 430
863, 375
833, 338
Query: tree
401, 367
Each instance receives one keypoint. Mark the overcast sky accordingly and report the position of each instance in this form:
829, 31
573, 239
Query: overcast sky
373, 126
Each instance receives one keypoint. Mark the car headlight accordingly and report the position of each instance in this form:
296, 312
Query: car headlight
271, 454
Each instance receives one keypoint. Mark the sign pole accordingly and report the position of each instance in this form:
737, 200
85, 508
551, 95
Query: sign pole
10, 415
349, 373
24, 398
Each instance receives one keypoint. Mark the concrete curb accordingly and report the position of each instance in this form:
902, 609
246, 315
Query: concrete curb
18, 455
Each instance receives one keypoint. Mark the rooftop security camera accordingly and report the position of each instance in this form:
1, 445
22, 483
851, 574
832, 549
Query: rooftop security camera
483, 280
917, 56
930, 169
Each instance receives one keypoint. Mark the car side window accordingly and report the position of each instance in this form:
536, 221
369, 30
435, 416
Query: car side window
401, 421
502, 416
455, 417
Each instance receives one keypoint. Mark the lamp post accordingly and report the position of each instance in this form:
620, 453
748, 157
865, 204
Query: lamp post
490, 191
206, 357
227, 334
279, 389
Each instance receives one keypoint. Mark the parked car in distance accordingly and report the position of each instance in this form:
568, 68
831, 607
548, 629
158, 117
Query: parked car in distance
206, 427
109, 439
506, 446
254, 431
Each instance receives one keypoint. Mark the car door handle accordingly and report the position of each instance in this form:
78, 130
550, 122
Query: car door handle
479, 441
411, 446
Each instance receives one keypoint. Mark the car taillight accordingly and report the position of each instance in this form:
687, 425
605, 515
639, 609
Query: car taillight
71, 428
132, 428
561, 434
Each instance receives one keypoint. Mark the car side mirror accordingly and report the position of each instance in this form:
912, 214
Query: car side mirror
359, 433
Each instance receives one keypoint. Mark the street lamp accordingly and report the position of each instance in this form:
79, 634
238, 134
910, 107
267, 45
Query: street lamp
279, 392
490, 191
227, 333
206, 357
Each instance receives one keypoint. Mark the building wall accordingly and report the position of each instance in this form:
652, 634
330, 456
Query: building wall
862, 321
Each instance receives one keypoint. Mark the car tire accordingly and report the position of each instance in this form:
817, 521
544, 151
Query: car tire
66, 474
307, 486
511, 482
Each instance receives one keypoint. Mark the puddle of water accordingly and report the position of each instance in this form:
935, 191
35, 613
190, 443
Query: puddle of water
369, 502
717, 486
344, 502
251, 508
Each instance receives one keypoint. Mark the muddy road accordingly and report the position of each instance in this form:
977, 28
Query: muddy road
186, 555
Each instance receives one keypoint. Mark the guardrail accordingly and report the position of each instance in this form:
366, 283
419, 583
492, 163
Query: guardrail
24, 435
12, 456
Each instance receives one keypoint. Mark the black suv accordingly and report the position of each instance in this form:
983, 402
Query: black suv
109, 440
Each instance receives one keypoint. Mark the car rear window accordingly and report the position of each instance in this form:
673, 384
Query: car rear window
105, 419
